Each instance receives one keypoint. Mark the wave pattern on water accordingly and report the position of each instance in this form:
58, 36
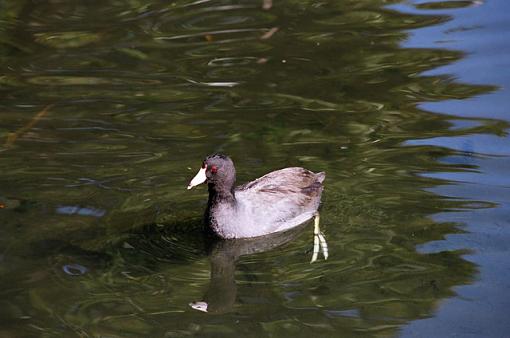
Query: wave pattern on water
109, 107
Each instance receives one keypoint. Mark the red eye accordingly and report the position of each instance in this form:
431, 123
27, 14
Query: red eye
214, 169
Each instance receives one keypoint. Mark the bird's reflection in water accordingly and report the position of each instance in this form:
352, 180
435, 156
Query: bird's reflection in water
221, 294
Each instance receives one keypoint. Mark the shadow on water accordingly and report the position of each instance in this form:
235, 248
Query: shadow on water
99, 236
224, 254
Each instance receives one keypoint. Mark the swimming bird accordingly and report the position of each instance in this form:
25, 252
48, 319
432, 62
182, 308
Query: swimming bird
277, 201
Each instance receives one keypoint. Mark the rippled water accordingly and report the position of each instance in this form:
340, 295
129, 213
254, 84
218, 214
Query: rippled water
108, 109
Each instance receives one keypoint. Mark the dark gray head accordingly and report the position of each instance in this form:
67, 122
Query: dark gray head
218, 170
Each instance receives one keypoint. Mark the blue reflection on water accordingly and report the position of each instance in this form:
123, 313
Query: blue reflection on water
78, 210
74, 269
482, 33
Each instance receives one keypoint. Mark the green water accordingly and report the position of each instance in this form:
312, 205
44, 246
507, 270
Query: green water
108, 108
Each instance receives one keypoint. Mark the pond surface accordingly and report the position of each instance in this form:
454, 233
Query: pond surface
108, 109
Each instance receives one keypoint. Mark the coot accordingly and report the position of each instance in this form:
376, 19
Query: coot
274, 202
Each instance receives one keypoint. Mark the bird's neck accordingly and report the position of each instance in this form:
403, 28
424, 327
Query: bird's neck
221, 195
218, 198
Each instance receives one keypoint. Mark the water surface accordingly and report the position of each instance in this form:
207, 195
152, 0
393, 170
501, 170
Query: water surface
109, 108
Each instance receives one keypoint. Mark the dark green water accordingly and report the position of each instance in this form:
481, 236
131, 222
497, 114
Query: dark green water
108, 108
